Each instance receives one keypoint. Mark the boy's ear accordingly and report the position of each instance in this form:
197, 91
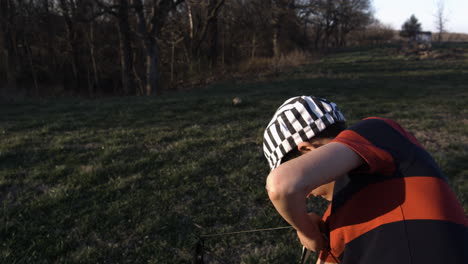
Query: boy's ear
313, 144
305, 146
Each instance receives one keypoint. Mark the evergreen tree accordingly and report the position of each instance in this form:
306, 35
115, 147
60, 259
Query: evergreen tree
410, 28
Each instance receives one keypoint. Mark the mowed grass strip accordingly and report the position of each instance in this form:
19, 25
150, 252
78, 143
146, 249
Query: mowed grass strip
138, 180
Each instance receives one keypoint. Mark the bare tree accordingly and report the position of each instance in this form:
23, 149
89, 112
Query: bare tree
126, 54
48, 7
353, 15
246, 30
121, 11
151, 19
440, 19
375, 33
9, 46
212, 30
203, 27
282, 12
157, 41
73, 12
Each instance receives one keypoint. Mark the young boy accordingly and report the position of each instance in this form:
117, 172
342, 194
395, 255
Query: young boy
390, 201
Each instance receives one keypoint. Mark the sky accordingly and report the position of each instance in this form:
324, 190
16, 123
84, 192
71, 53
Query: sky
396, 12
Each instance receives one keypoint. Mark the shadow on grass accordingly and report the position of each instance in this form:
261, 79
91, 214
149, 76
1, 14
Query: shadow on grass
138, 179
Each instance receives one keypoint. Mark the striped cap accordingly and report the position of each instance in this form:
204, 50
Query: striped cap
297, 120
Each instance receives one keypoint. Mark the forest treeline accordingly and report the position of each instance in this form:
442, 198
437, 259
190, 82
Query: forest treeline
141, 47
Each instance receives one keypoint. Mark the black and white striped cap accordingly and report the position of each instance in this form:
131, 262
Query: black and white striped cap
297, 120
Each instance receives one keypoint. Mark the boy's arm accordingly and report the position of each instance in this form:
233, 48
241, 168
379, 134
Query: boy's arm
290, 183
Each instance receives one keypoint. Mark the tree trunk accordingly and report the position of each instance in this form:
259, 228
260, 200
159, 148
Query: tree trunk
139, 83
93, 86
173, 45
318, 36
150, 29
7, 9
191, 35
275, 23
254, 46
152, 69
223, 44
190, 19
77, 65
75, 38
209, 30
31, 67
212, 31
126, 54
151, 75
280, 10
51, 51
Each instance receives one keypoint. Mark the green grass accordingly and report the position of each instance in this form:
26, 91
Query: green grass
137, 180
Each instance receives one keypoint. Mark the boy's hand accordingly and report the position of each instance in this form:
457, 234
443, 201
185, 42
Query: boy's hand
313, 239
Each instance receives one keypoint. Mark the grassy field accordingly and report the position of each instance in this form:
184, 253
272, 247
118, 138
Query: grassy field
138, 180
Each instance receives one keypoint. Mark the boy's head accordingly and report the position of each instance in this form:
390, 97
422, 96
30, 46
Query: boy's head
300, 119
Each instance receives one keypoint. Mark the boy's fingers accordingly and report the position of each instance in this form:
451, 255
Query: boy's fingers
314, 243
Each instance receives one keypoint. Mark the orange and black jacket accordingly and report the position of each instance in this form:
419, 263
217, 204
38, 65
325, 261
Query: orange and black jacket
398, 208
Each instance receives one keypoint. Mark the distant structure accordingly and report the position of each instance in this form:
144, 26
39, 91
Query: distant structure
424, 37
420, 44
423, 43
